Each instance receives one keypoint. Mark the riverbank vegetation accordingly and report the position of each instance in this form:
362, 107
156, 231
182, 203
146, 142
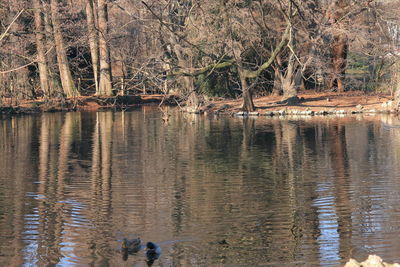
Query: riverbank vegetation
57, 51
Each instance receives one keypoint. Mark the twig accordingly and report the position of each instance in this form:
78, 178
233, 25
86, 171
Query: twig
23, 66
12, 22
162, 22
18, 68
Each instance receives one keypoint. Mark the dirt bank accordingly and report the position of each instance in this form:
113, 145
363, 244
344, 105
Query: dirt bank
312, 102
82, 103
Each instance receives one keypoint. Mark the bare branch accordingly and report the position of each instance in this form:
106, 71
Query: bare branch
12, 22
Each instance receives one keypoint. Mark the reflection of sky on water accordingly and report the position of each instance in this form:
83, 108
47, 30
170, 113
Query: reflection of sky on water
73, 223
31, 255
204, 183
329, 240
30, 237
68, 256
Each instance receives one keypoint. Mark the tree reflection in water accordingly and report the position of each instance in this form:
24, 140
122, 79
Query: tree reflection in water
277, 191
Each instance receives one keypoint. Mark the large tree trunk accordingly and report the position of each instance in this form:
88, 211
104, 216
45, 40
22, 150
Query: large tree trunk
339, 45
277, 89
289, 86
183, 60
105, 85
65, 72
93, 42
291, 79
339, 49
248, 104
40, 47
51, 56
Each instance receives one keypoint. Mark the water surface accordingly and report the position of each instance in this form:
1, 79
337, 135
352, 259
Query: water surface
212, 191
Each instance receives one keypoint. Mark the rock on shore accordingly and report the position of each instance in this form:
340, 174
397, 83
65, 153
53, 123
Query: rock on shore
372, 261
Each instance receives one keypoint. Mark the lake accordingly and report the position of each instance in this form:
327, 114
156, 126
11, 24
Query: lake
211, 191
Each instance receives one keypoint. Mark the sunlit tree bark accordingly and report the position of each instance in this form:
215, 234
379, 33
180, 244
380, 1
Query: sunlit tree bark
105, 84
247, 95
62, 60
51, 57
40, 47
93, 41
397, 84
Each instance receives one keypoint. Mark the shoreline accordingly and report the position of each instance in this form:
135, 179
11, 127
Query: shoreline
85, 103
311, 104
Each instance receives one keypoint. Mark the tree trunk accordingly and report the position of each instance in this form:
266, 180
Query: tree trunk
397, 86
339, 46
277, 89
105, 85
63, 66
290, 80
93, 42
289, 86
292, 77
51, 57
40, 47
183, 61
248, 104
339, 49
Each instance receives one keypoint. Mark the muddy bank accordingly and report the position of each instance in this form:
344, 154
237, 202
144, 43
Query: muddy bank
309, 104
85, 103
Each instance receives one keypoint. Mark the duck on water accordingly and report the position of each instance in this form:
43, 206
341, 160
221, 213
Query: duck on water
153, 252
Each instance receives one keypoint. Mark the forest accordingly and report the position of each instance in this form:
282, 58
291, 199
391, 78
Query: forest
199, 50
76, 188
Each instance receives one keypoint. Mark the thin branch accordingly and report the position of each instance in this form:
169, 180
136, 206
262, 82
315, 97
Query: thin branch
173, 32
247, 73
254, 74
207, 68
12, 22
18, 68
23, 66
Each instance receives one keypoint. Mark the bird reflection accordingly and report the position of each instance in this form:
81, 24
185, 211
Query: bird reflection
130, 247
153, 253
150, 263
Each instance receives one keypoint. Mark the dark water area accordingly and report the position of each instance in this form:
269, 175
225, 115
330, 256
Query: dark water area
212, 191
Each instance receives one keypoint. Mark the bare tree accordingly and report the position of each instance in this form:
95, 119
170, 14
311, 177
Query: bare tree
198, 48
